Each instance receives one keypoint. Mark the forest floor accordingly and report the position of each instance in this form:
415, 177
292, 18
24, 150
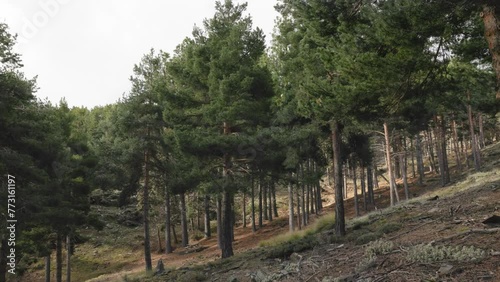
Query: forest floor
437, 235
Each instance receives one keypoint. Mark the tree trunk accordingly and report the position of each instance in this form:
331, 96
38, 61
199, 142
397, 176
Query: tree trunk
363, 186
244, 210
264, 201
227, 237
445, 170
337, 169
474, 146
59, 257
369, 184
291, 222
355, 188
270, 197
299, 220
208, 231
47, 268
414, 172
252, 205
482, 143
420, 159
275, 206
458, 157
160, 247
184, 223
375, 176
174, 234
260, 200
319, 207
392, 184
145, 204
397, 165
491, 20
303, 202
430, 148
68, 258
219, 221
404, 174
168, 216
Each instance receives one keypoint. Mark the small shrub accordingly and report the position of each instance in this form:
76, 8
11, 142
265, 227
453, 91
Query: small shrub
285, 249
366, 238
197, 235
389, 227
378, 247
366, 263
426, 253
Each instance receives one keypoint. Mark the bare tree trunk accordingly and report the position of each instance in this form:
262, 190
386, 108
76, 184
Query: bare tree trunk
291, 222
474, 146
160, 247
68, 258
369, 184
302, 196
270, 197
174, 234
392, 184
412, 158
299, 219
430, 149
491, 20
168, 216
458, 157
275, 205
59, 257
420, 159
184, 223
47, 268
227, 210
252, 205
244, 210
444, 155
145, 205
482, 143
260, 200
264, 200
208, 231
355, 184
405, 174
318, 185
219, 221
337, 169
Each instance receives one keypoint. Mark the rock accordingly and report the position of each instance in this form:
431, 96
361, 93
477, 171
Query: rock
295, 257
445, 269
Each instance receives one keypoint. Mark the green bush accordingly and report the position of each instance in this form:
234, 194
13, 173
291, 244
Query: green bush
285, 249
366, 238
426, 253
389, 227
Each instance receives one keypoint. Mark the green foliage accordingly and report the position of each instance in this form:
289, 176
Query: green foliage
284, 250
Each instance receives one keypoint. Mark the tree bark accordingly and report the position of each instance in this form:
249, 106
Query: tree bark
482, 143
291, 222
275, 206
208, 231
355, 188
337, 169
184, 223
270, 196
68, 258
219, 221
458, 157
227, 210
264, 201
59, 257
244, 210
369, 185
491, 20
474, 146
420, 159
392, 184
145, 204
363, 186
252, 204
260, 200
168, 216
47, 268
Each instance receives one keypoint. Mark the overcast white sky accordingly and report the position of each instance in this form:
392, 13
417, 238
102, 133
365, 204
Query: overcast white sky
85, 50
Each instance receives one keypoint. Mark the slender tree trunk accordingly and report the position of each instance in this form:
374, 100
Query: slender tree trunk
430, 148
303, 202
369, 184
491, 21
444, 155
208, 231
160, 247
47, 268
291, 222
270, 197
244, 210
474, 146
375, 176
260, 200
168, 217
184, 223
252, 205
412, 158
355, 187
420, 160
264, 200
318, 185
363, 186
219, 221
392, 184
59, 258
458, 157
68, 258
145, 206
344, 181
482, 143
227, 236
403, 161
337, 169
275, 206
227, 211
397, 165
299, 219
174, 234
